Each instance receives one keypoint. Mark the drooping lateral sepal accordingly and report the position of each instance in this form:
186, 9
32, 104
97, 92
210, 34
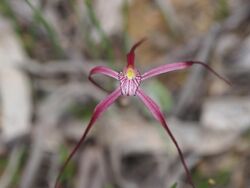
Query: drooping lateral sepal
102, 70
155, 110
99, 109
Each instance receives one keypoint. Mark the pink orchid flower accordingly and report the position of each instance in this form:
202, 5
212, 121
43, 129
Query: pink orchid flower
130, 79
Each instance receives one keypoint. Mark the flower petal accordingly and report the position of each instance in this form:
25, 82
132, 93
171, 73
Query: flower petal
155, 110
129, 86
99, 109
131, 54
102, 70
178, 66
166, 68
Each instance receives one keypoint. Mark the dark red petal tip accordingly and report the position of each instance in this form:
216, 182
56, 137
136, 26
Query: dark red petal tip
131, 54
212, 70
137, 44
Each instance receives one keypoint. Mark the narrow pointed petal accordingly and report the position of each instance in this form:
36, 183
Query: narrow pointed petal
99, 109
102, 70
166, 68
178, 66
131, 54
155, 110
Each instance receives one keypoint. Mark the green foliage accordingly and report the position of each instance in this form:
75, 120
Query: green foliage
160, 94
105, 42
22, 155
222, 10
39, 18
68, 174
82, 111
174, 185
3, 163
6, 10
109, 186
220, 179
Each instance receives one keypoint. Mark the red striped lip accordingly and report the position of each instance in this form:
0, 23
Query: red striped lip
129, 81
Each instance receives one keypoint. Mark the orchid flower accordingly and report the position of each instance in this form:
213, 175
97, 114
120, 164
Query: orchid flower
130, 80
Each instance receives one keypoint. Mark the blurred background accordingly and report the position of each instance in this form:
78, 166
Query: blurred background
47, 48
